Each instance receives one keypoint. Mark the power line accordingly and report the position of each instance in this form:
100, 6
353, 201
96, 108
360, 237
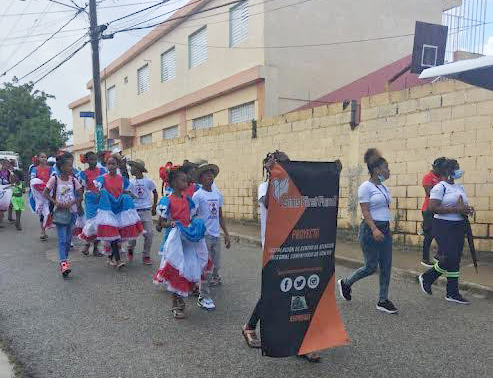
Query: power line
42, 44
62, 62
42, 39
65, 11
53, 57
139, 11
17, 22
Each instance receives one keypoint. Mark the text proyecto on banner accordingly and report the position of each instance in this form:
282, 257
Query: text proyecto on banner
299, 314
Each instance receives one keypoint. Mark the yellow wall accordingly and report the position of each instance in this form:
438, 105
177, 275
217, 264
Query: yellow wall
411, 128
81, 135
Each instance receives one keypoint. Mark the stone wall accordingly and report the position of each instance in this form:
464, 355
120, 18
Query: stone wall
411, 127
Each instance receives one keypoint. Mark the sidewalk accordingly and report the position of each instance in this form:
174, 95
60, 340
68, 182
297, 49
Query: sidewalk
405, 262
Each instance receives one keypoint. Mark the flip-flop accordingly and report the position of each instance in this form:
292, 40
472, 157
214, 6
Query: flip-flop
251, 337
314, 360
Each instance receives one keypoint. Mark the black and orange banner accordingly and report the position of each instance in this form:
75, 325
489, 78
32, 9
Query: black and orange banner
299, 311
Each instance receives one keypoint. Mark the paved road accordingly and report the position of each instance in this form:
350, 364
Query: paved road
104, 323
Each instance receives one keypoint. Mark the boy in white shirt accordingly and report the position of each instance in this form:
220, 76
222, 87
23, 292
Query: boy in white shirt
209, 203
143, 189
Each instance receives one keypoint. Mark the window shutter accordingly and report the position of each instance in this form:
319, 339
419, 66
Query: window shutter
146, 139
168, 65
170, 132
111, 97
197, 47
202, 122
242, 113
143, 79
238, 25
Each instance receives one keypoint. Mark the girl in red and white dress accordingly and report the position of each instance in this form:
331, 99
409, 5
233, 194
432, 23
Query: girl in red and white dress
184, 252
116, 219
40, 174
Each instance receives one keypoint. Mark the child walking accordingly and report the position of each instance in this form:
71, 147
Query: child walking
17, 200
67, 200
184, 252
40, 174
209, 205
143, 189
91, 198
116, 219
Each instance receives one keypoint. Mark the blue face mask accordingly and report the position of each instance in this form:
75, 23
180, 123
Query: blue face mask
381, 178
457, 174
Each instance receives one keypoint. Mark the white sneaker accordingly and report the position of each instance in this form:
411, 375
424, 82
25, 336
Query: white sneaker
206, 303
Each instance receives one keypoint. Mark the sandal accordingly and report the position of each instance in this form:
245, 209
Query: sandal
178, 312
120, 264
110, 261
250, 337
310, 357
85, 251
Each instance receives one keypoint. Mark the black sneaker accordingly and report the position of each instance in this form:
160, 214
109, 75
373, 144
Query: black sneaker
427, 263
344, 290
457, 298
424, 286
386, 306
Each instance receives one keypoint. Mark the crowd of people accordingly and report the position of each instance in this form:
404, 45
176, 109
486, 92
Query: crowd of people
109, 210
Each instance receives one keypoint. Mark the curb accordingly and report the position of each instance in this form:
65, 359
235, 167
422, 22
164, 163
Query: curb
474, 288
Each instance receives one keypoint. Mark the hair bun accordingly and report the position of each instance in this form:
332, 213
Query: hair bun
372, 155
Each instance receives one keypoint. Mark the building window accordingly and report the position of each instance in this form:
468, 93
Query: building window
238, 24
168, 65
202, 122
143, 79
170, 132
88, 123
146, 139
242, 113
197, 47
111, 97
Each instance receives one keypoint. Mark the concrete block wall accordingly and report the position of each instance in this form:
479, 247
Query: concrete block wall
411, 127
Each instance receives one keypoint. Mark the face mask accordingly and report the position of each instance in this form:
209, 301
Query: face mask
381, 178
457, 174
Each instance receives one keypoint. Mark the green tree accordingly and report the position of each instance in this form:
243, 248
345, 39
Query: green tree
26, 125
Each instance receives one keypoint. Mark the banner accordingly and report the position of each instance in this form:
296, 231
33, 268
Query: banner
299, 314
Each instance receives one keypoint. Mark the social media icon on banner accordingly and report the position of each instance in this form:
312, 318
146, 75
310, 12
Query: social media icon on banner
299, 283
313, 281
286, 284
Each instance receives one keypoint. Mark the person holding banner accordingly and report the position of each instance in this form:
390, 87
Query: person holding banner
248, 330
449, 203
375, 236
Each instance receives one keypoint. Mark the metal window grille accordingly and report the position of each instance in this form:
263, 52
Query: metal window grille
202, 122
197, 47
170, 132
146, 139
111, 97
143, 79
168, 65
242, 113
238, 24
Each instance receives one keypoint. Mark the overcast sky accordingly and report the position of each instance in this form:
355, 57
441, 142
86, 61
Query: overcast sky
21, 32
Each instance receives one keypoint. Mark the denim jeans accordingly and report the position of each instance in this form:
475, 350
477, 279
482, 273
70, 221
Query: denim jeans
64, 232
375, 254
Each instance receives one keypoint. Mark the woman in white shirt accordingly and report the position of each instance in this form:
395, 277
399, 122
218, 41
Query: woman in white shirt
449, 202
375, 236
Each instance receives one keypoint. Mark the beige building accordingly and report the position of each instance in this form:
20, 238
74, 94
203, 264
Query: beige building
244, 61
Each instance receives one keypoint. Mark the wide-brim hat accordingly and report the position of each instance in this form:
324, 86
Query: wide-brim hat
204, 167
139, 164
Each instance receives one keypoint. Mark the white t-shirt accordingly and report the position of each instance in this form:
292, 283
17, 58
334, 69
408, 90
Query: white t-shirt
142, 189
262, 193
378, 198
449, 195
65, 191
208, 205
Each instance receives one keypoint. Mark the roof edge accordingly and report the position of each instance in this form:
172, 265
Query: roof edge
151, 38
79, 102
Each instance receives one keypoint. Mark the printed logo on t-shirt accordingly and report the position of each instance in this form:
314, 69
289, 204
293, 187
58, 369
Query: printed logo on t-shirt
140, 191
213, 209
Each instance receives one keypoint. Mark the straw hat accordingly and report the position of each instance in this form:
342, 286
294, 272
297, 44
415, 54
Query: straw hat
139, 164
203, 168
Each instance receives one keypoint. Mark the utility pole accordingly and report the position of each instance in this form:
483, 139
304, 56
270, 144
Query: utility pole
95, 33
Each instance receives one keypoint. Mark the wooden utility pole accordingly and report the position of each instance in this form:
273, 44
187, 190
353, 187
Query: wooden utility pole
95, 32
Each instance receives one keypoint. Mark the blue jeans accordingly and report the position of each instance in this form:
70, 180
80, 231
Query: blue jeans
375, 254
64, 232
